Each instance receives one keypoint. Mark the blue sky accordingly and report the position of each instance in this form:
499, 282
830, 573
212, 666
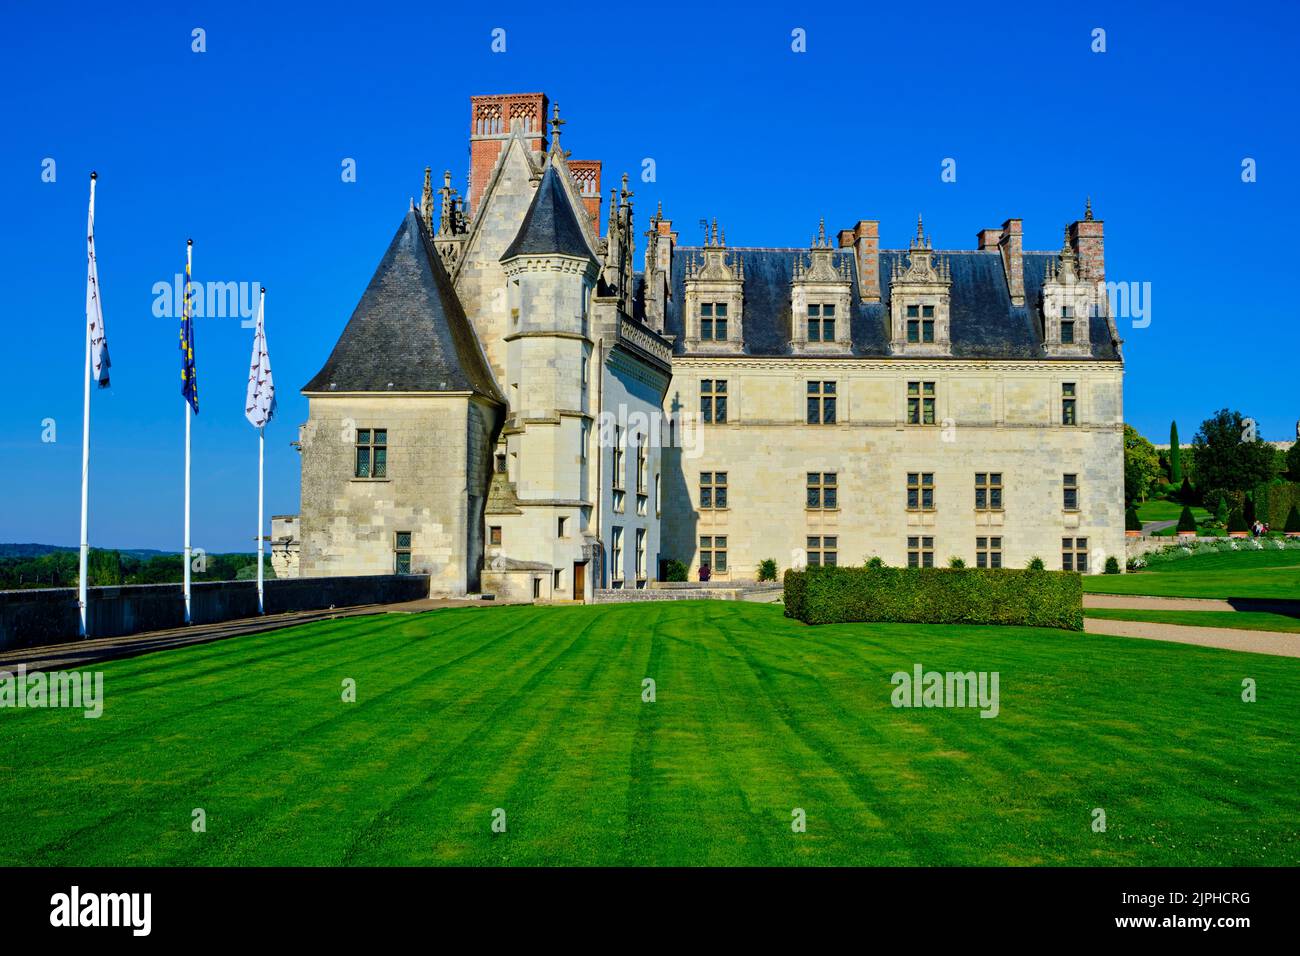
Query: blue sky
240, 147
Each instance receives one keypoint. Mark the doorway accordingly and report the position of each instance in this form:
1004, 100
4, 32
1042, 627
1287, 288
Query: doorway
579, 580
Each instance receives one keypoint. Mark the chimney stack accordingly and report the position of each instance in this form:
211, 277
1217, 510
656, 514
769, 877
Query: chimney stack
988, 239
1087, 242
586, 175
491, 120
1011, 244
865, 240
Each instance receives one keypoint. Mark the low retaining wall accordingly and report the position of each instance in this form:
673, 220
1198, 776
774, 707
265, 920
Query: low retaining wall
33, 618
628, 595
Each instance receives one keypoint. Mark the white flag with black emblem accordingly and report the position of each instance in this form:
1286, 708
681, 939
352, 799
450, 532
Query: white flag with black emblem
99, 363
259, 404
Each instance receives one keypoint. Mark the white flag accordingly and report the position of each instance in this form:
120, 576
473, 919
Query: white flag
94, 308
259, 404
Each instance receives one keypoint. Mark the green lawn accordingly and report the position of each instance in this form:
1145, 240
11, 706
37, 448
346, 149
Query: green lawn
538, 711
1246, 620
1161, 510
1268, 573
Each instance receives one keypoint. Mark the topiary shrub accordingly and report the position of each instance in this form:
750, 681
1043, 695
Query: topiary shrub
1035, 564
1185, 520
1221, 511
1292, 525
1131, 520
876, 561
956, 562
767, 569
1186, 494
677, 570
1237, 521
1112, 565
835, 595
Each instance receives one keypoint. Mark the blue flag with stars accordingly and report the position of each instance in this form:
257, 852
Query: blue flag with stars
189, 384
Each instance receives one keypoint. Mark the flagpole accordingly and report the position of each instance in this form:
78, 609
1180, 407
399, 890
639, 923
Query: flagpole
189, 260
261, 465
82, 594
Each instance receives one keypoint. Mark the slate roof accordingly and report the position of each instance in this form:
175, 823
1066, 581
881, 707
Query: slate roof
984, 323
409, 332
551, 225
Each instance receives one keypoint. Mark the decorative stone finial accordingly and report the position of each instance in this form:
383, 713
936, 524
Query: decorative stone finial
556, 123
1087, 211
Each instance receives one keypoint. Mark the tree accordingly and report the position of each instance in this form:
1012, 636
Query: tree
1186, 522
767, 569
1175, 456
1292, 525
1248, 512
1229, 454
1293, 461
1141, 465
1221, 511
1187, 494
1131, 520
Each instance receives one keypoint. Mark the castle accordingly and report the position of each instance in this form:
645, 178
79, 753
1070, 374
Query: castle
515, 408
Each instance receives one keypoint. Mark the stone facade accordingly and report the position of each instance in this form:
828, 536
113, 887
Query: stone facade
559, 423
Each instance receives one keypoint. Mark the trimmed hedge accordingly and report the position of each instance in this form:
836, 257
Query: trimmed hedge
1274, 501
835, 595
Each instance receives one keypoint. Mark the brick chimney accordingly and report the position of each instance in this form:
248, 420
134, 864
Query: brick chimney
988, 239
491, 120
586, 175
864, 238
1087, 242
1011, 244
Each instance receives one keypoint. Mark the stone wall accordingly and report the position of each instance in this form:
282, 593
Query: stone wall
990, 417
33, 618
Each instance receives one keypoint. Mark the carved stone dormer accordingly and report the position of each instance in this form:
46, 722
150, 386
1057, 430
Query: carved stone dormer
821, 297
453, 224
919, 300
714, 291
1069, 303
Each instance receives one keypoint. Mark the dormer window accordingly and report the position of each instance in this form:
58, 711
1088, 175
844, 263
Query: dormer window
821, 322
920, 324
713, 321
919, 295
1068, 303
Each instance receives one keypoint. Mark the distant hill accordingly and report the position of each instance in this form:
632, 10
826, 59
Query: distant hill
36, 550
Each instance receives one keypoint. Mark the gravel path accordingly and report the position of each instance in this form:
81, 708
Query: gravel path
1254, 642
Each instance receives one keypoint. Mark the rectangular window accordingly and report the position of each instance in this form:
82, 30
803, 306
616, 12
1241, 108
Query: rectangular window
1067, 331
713, 490
821, 322
713, 401
402, 552
1070, 492
616, 555
713, 321
642, 463
988, 552
920, 551
927, 323
988, 491
920, 491
618, 457
557, 580
920, 403
562, 527
713, 553
821, 403
584, 431
823, 551
920, 323
537, 589
640, 553
1074, 555
372, 453
823, 491
1069, 415
494, 534
619, 501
